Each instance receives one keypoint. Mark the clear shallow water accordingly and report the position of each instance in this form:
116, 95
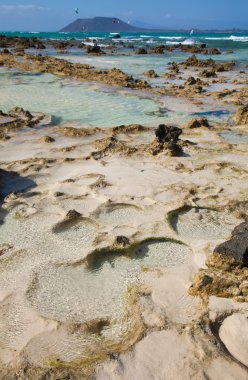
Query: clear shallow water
196, 223
73, 101
85, 293
234, 137
88, 104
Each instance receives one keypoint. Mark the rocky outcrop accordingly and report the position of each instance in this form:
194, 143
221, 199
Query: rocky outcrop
132, 129
95, 50
241, 116
82, 72
141, 51
166, 141
167, 134
227, 269
237, 247
197, 123
193, 61
18, 118
158, 49
150, 74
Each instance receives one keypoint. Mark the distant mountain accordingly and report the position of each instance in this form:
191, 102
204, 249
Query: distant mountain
100, 25
115, 25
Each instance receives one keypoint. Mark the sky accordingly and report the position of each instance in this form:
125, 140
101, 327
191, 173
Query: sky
52, 15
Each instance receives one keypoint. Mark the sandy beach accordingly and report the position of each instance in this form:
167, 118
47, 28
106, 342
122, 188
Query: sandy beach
123, 211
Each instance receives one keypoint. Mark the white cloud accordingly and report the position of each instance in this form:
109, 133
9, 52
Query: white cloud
21, 8
168, 15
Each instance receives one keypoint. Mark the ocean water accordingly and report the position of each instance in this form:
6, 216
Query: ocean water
98, 105
222, 40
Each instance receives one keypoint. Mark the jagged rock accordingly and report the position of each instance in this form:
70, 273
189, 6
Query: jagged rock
166, 141
208, 74
150, 74
214, 51
95, 50
227, 268
237, 246
190, 81
141, 51
47, 139
173, 67
72, 214
197, 123
158, 49
122, 240
166, 133
20, 113
132, 128
241, 115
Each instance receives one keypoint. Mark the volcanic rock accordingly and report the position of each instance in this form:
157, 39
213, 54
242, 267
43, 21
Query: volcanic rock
237, 246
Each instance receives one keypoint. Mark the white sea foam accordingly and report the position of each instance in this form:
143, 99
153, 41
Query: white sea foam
239, 38
231, 38
170, 38
172, 43
189, 41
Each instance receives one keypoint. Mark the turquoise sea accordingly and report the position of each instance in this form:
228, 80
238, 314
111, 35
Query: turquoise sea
98, 105
222, 40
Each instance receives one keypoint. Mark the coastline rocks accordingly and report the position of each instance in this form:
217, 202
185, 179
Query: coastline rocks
234, 334
131, 128
166, 141
158, 49
193, 61
208, 74
47, 139
241, 116
95, 50
18, 118
141, 51
82, 72
111, 145
237, 246
214, 51
150, 74
197, 123
122, 241
166, 133
227, 269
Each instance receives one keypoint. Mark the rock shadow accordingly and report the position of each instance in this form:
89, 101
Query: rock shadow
12, 182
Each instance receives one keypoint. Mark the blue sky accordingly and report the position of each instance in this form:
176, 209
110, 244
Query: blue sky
51, 15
